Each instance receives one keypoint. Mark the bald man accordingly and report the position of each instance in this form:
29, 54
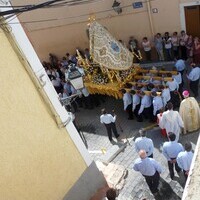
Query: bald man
150, 169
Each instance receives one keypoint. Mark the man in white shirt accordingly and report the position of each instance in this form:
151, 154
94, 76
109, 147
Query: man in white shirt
180, 66
127, 99
183, 42
178, 78
136, 105
109, 121
171, 149
146, 106
150, 169
172, 121
144, 143
165, 94
174, 87
193, 78
168, 45
157, 105
184, 159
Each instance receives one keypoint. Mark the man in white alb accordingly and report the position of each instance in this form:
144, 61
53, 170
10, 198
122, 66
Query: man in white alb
172, 121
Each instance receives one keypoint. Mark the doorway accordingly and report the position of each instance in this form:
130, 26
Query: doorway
192, 20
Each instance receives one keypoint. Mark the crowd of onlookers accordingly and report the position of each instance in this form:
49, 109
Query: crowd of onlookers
169, 47
176, 47
58, 71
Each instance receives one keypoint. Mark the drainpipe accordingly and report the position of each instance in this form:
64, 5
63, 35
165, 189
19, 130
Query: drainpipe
150, 17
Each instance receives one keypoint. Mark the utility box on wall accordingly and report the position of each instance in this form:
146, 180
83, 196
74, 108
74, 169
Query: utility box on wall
138, 4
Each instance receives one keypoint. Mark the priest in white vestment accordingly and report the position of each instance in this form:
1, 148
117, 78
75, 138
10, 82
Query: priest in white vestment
172, 121
190, 113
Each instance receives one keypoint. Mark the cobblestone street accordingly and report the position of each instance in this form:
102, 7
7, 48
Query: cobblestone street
97, 141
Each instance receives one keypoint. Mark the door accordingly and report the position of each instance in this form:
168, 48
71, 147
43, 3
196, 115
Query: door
192, 20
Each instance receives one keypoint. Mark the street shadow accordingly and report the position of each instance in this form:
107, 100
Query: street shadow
192, 137
166, 192
81, 134
157, 138
180, 179
87, 128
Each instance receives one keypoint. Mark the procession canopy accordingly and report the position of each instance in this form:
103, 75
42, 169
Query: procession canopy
107, 51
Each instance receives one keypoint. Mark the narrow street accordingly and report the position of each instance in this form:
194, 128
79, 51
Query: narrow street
135, 186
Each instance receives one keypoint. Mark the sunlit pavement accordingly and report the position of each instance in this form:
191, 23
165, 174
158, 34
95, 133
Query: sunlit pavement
97, 142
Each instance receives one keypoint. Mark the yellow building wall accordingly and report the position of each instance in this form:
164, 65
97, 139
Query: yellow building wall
66, 27
38, 161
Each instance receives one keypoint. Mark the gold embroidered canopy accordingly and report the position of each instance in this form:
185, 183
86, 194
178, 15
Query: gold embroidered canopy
106, 50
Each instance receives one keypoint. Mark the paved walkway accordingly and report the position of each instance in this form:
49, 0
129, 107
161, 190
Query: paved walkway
135, 187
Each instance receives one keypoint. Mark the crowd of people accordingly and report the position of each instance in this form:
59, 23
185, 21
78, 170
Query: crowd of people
177, 157
142, 105
172, 123
158, 106
58, 72
169, 47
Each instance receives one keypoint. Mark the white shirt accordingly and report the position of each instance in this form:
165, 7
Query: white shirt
178, 78
180, 65
147, 166
175, 40
183, 39
173, 85
71, 115
136, 101
107, 119
194, 75
165, 96
157, 104
144, 143
172, 121
127, 100
171, 149
56, 82
168, 44
85, 92
48, 72
146, 46
145, 103
184, 160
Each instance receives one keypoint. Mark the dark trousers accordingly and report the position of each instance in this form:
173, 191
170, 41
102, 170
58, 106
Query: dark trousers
175, 99
135, 112
185, 175
171, 168
87, 101
168, 54
176, 52
183, 52
182, 72
111, 128
180, 89
148, 113
148, 55
129, 111
194, 86
153, 182
151, 156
